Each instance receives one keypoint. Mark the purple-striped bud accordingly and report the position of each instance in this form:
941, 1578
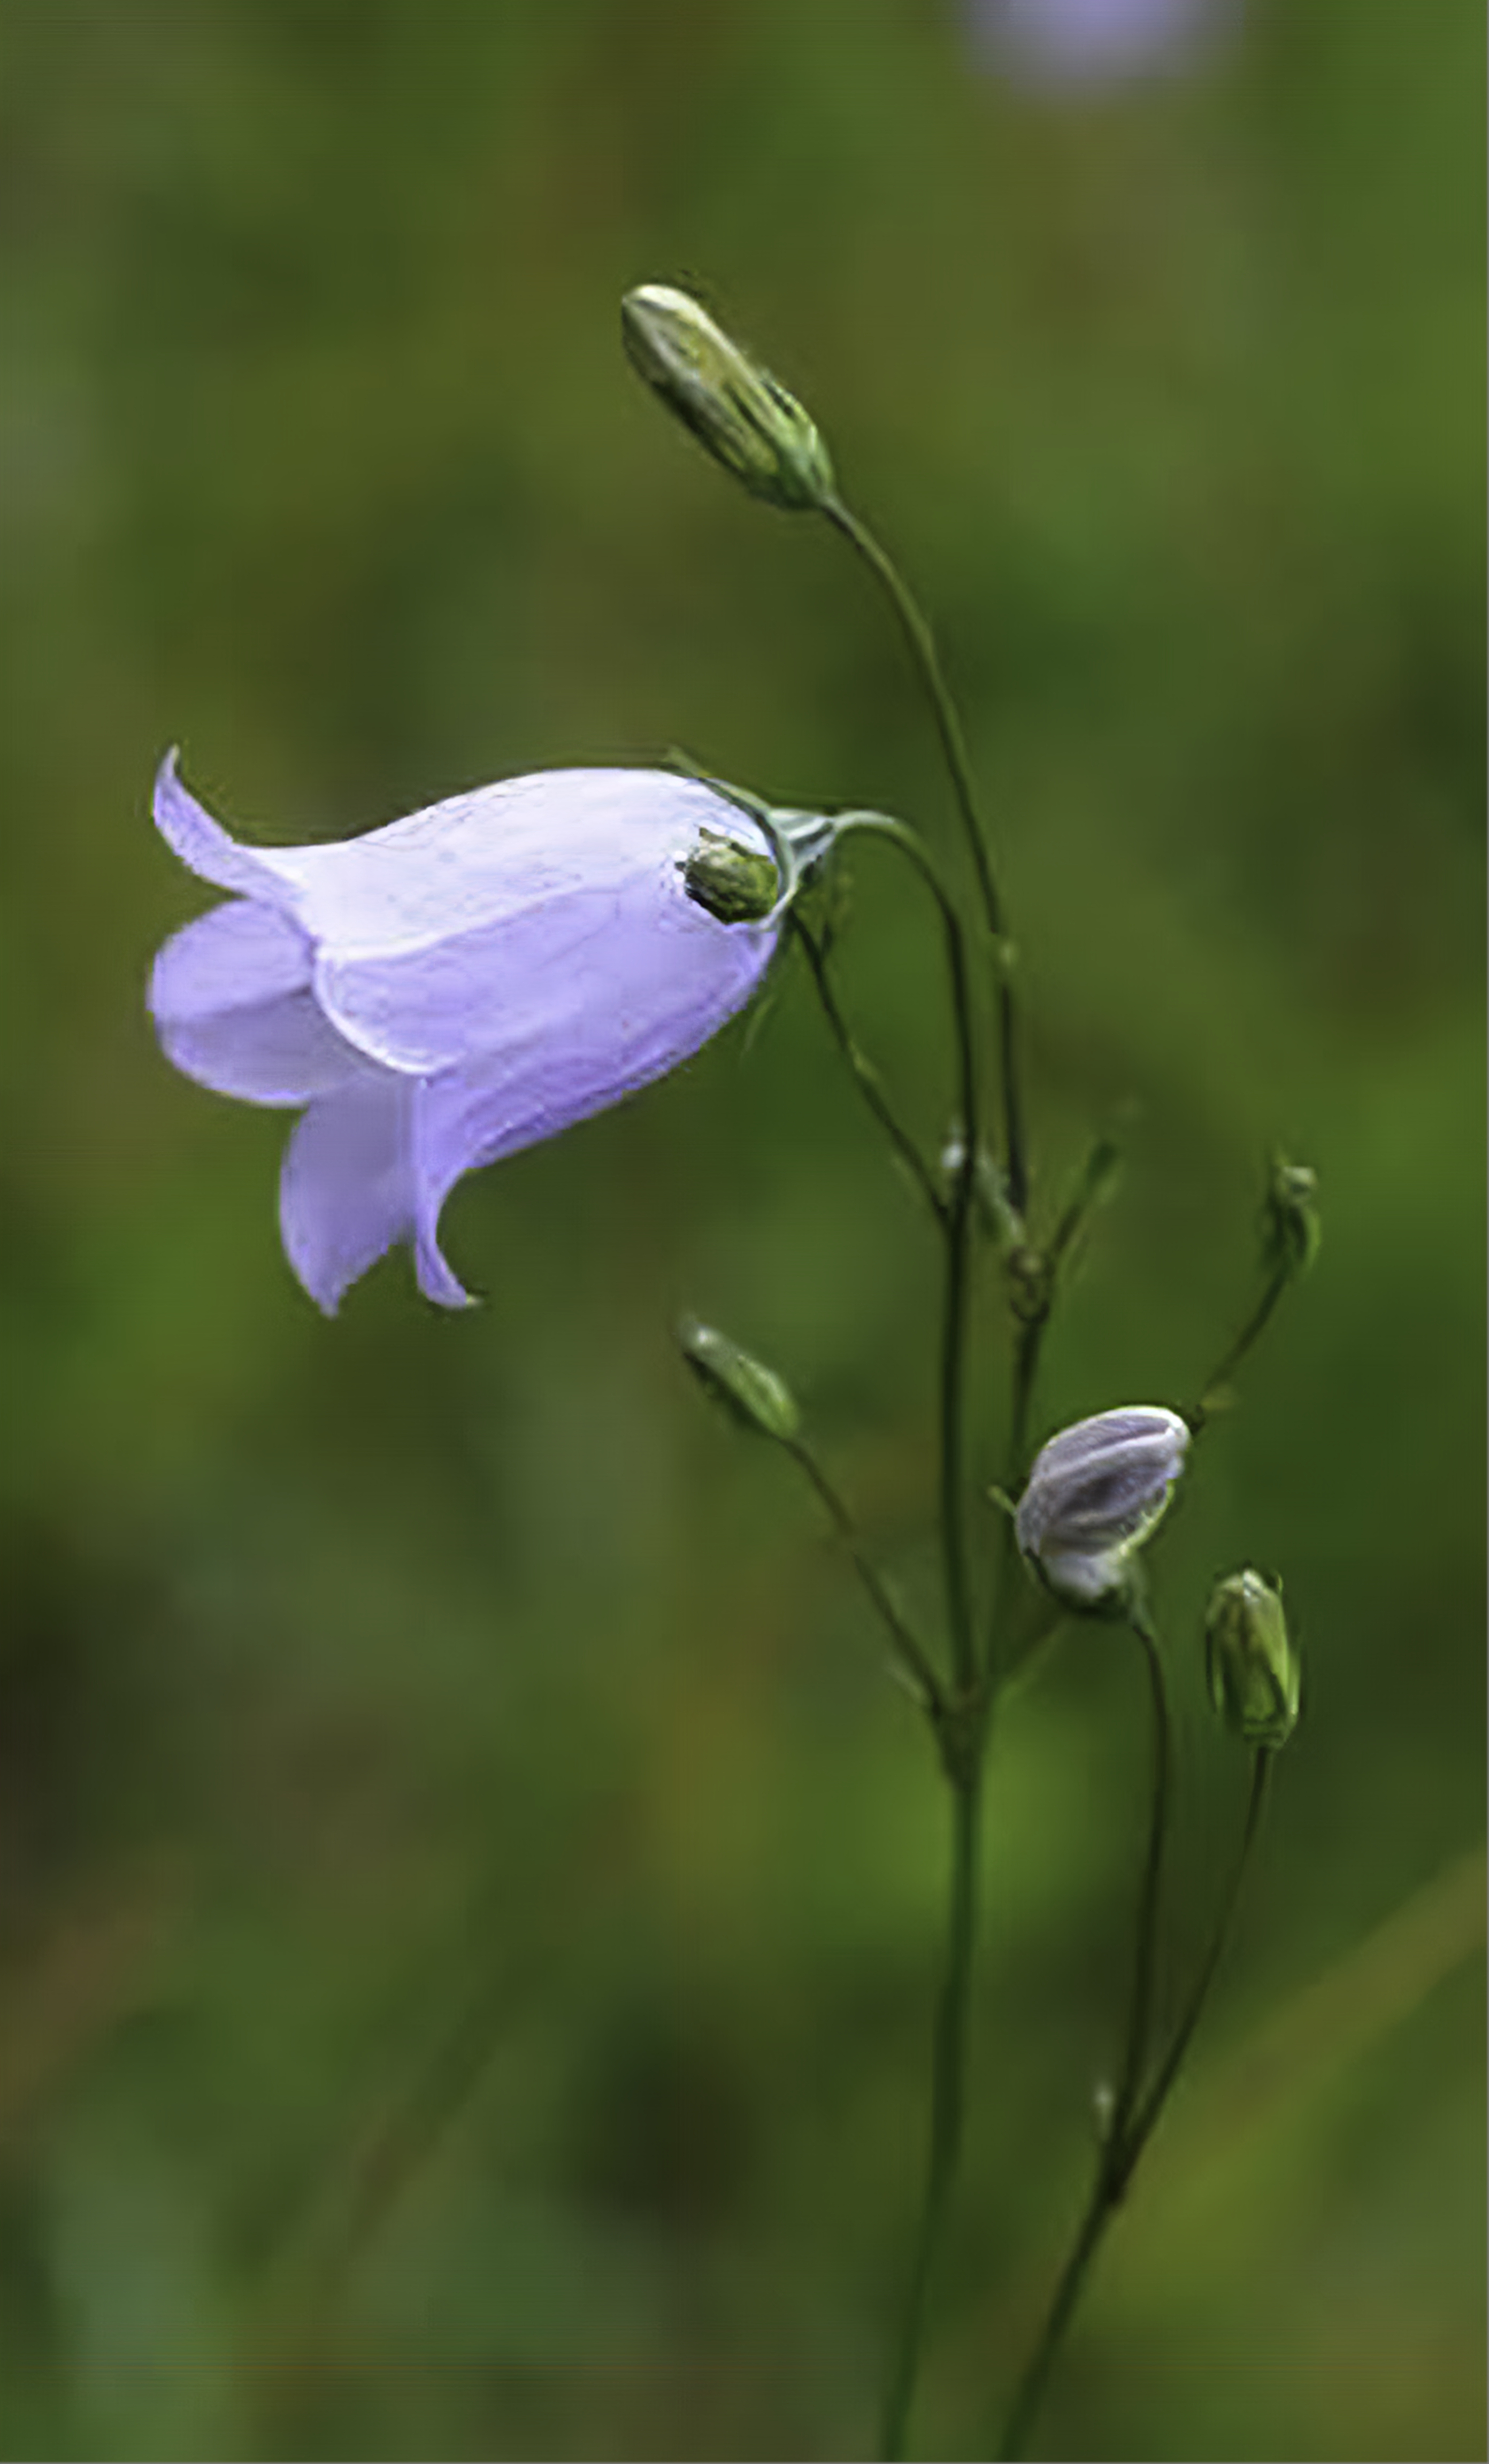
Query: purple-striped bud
1095, 1494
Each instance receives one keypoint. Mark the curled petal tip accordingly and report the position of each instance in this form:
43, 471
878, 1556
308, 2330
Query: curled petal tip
436, 1279
211, 851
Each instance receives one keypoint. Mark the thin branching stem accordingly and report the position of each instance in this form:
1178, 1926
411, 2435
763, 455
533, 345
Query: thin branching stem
1230, 1360
865, 1076
1145, 2121
1145, 1956
914, 1662
948, 2100
1128, 2136
960, 1718
957, 1227
953, 744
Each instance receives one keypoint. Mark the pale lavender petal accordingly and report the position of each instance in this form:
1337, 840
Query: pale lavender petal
475, 860
437, 1282
581, 1025
230, 957
202, 843
622, 968
598, 1030
346, 1187
232, 1001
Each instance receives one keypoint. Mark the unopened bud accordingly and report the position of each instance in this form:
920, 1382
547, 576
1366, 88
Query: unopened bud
1094, 1496
739, 884
750, 1393
1291, 1230
733, 405
1252, 1667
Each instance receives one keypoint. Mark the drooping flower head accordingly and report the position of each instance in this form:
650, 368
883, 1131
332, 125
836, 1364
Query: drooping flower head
1094, 1496
464, 982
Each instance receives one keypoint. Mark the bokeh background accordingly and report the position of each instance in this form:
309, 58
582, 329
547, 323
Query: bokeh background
468, 1896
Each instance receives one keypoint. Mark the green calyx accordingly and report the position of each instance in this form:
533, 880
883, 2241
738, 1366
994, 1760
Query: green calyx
738, 885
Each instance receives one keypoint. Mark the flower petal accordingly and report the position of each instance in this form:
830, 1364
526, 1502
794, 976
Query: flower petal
473, 860
202, 843
231, 1001
593, 1038
231, 957
346, 1186
629, 972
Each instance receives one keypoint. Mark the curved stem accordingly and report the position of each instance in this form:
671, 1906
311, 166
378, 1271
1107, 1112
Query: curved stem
867, 1077
1146, 2120
923, 649
1034, 1305
1112, 2172
1034, 1317
948, 727
923, 1680
957, 1224
1230, 1360
953, 1438
1124, 2146
1029, 2394
960, 1721
1140, 2016
948, 2098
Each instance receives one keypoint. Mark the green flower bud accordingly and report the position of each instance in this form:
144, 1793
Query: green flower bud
1252, 1667
739, 884
1291, 1229
733, 405
750, 1393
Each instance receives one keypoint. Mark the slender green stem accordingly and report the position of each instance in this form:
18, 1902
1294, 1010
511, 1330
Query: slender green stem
917, 1668
865, 1075
957, 1224
1147, 2118
999, 1657
959, 1720
948, 2098
1144, 1957
1024, 2410
923, 649
923, 645
953, 1438
1110, 2178
1027, 1342
1124, 2144
1033, 1317
1230, 1360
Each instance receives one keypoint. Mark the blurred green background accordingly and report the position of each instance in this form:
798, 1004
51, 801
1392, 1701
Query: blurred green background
468, 1898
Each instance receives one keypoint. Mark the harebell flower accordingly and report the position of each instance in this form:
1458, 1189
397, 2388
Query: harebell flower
457, 985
